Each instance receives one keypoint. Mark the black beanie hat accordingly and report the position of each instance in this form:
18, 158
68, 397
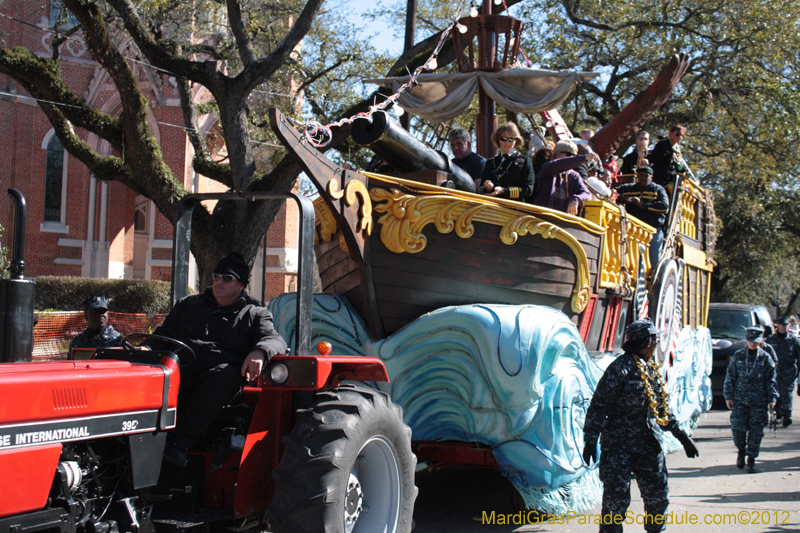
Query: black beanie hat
235, 265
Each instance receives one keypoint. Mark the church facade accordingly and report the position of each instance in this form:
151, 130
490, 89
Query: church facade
81, 226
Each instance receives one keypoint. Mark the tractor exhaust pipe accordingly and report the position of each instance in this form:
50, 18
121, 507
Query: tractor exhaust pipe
16, 295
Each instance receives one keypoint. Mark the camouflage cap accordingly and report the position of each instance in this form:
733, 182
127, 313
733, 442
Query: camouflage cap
782, 320
95, 302
755, 334
640, 329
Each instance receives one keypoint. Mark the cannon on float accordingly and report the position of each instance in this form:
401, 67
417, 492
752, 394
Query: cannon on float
410, 159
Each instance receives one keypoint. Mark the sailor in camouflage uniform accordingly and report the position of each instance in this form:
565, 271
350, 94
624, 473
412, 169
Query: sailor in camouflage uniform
750, 390
624, 410
787, 347
98, 333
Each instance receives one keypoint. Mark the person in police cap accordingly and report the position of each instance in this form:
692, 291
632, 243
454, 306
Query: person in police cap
628, 412
98, 333
233, 338
750, 390
787, 349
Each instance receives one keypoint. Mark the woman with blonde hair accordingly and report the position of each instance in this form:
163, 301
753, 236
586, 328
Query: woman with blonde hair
509, 174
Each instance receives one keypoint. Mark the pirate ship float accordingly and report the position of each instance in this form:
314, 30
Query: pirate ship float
472, 302
399, 246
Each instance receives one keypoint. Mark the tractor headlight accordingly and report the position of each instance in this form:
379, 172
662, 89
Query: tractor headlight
279, 373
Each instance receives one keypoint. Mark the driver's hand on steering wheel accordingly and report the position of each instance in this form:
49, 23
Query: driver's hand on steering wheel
253, 364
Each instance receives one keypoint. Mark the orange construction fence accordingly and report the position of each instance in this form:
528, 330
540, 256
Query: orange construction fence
54, 331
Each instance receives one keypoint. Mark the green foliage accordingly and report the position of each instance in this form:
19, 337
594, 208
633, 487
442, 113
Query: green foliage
125, 295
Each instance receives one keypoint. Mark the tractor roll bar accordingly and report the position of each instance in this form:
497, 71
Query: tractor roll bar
182, 242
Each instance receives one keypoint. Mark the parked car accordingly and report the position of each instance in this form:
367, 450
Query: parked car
727, 323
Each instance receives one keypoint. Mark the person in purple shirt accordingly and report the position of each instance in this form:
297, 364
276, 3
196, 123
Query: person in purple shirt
558, 186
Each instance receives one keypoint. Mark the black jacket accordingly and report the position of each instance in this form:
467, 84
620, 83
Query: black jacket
656, 203
665, 163
513, 172
220, 334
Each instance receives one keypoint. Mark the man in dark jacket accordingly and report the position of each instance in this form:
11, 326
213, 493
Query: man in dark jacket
666, 158
629, 411
639, 154
648, 202
750, 390
232, 336
787, 349
464, 157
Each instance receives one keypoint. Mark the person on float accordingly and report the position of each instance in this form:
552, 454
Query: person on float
464, 157
558, 185
509, 174
648, 202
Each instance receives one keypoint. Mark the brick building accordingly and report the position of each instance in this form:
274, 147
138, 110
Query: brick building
78, 225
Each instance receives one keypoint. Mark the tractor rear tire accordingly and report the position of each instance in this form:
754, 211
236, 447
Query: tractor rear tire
347, 467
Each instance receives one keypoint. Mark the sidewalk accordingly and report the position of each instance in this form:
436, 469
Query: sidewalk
712, 488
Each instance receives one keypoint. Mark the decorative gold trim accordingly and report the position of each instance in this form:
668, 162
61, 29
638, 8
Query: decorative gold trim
608, 216
333, 190
354, 188
695, 258
325, 221
423, 188
405, 216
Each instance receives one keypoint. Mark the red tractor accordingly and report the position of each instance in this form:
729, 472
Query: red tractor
81, 442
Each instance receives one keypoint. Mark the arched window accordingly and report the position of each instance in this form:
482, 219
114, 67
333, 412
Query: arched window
55, 185
54, 181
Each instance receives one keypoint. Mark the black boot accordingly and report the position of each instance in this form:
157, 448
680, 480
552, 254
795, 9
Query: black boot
786, 421
751, 465
740, 459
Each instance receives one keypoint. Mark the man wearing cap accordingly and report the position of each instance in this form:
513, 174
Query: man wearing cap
627, 414
648, 202
750, 390
232, 336
98, 333
787, 348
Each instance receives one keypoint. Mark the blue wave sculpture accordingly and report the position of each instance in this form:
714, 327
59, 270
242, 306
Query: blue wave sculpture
516, 378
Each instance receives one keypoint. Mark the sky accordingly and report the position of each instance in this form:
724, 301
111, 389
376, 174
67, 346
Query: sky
382, 38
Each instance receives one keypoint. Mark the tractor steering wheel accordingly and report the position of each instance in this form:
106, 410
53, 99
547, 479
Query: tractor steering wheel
181, 345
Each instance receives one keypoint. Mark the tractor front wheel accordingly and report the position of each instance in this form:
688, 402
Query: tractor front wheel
347, 467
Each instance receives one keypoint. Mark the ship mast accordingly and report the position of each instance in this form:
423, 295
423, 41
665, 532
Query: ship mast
490, 43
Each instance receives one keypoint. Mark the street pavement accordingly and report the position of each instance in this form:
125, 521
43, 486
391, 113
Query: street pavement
707, 488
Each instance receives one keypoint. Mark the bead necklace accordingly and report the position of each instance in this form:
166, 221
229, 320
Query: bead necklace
644, 367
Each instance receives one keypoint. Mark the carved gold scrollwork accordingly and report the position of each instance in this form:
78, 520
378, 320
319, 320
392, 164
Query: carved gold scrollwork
325, 222
333, 190
354, 188
405, 216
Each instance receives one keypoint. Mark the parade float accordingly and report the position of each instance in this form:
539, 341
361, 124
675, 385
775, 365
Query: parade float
494, 318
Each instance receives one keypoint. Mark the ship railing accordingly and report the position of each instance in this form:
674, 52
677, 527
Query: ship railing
614, 258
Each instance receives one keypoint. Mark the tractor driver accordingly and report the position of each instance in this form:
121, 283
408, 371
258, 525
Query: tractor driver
232, 337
